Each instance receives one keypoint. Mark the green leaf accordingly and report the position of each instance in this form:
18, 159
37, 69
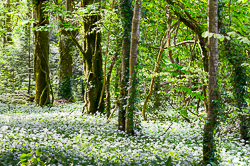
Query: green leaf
171, 153
169, 161
38, 153
232, 34
245, 40
23, 156
220, 37
213, 164
205, 34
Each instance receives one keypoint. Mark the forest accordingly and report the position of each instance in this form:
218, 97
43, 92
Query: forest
124, 82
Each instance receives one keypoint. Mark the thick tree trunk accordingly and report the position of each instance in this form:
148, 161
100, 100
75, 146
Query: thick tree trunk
129, 126
92, 62
211, 120
126, 16
65, 45
41, 57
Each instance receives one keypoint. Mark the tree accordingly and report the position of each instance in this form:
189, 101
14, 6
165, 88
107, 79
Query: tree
41, 54
7, 23
126, 17
65, 45
132, 68
211, 120
92, 60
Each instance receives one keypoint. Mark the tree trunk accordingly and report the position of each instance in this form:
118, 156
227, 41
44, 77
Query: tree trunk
28, 40
129, 126
92, 61
211, 120
7, 24
240, 92
41, 56
163, 43
126, 16
65, 45
108, 103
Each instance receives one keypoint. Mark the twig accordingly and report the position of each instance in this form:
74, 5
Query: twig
167, 129
188, 120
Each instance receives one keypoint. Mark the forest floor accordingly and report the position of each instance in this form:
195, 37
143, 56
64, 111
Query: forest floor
51, 135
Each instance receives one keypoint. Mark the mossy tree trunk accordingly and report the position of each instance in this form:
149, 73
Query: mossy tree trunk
41, 56
126, 16
211, 120
92, 61
65, 45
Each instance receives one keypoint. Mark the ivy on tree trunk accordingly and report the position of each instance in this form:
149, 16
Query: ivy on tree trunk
126, 17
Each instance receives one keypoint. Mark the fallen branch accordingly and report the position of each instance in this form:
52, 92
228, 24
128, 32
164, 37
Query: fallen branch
167, 129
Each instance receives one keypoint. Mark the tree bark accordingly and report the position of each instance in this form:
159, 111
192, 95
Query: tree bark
129, 126
65, 65
28, 37
92, 61
7, 24
126, 16
211, 120
41, 56
108, 103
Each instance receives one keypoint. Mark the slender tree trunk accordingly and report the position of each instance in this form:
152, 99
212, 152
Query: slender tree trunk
211, 120
163, 43
157, 82
92, 62
41, 56
126, 16
108, 103
65, 45
105, 65
7, 24
156, 94
28, 38
29, 85
129, 126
